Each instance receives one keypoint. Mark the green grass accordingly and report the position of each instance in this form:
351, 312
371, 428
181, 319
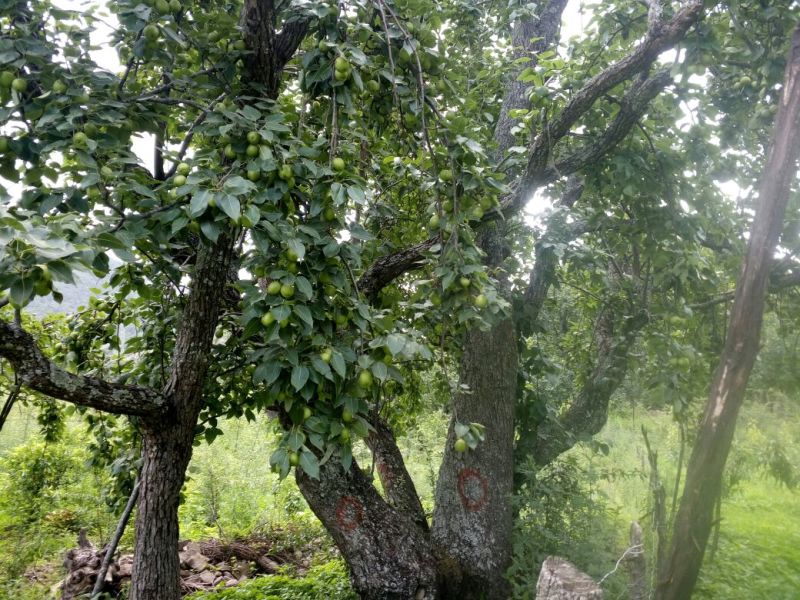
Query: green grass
758, 556
328, 581
759, 547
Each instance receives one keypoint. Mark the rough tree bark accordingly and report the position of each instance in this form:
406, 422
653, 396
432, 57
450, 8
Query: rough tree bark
167, 439
678, 574
389, 555
473, 518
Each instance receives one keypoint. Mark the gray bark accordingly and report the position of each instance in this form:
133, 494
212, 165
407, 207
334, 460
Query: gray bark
167, 442
472, 522
389, 555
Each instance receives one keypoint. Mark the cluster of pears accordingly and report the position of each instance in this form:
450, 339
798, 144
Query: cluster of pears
151, 32
466, 288
9, 80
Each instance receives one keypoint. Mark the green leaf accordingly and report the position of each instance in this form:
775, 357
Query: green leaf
199, 202
61, 271
250, 113
210, 230
302, 311
111, 241
338, 364
309, 464
295, 438
380, 370
21, 291
395, 343
229, 205
322, 368
297, 247
356, 194
267, 373
304, 288
346, 457
280, 458
299, 377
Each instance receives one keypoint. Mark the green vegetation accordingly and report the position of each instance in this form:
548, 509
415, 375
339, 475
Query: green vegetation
582, 506
327, 581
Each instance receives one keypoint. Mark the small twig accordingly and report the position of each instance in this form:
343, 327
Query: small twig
190, 134
9, 403
634, 548
174, 101
145, 215
334, 128
391, 54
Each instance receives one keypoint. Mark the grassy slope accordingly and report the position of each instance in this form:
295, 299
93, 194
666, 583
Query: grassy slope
758, 556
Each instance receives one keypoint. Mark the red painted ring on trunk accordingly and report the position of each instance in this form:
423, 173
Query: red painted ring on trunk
349, 513
470, 477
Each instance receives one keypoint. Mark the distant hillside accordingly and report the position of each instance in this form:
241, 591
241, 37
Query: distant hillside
74, 296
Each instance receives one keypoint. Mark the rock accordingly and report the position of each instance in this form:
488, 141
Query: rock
125, 566
197, 562
561, 580
269, 565
208, 577
243, 569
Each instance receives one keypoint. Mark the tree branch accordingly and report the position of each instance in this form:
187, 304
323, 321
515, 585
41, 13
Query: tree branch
397, 483
388, 267
589, 410
633, 105
35, 371
539, 172
544, 268
289, 39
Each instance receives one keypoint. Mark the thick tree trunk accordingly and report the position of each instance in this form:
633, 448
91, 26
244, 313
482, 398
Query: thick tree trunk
694, 520
167, 442
389, 555
156, 571
473, 519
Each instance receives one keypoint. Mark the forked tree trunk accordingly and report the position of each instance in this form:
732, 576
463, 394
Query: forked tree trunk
693, 523
389, 555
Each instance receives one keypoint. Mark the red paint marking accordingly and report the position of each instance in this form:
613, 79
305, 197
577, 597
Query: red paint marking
349, 513
468, 481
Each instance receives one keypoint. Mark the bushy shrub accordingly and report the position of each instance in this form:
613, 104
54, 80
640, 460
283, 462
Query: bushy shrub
34, 475
560, 514
329, 581
46, 495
